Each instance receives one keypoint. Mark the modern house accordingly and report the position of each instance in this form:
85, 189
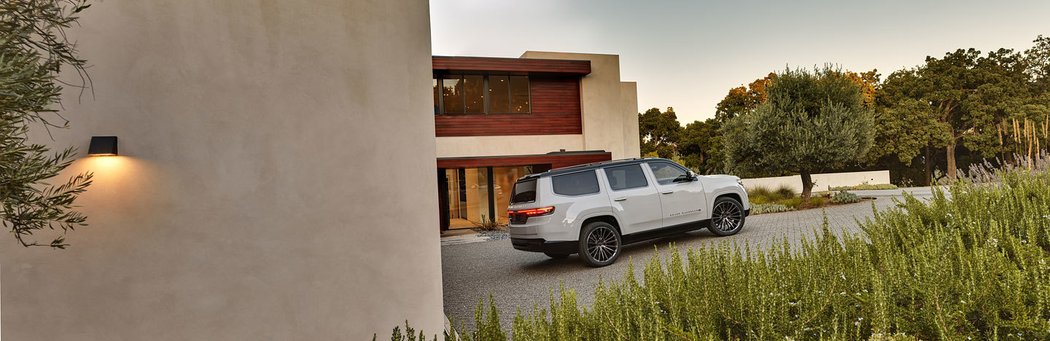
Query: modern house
498, 119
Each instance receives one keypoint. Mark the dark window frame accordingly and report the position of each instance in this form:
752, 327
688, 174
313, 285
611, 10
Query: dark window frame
488, 107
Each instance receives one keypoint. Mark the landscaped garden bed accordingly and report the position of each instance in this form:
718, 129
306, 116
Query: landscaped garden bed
783, 199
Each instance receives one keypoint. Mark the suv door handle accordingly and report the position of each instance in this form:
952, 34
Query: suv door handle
668, 192
620, 199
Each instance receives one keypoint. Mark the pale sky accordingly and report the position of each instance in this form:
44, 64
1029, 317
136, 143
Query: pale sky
688, 54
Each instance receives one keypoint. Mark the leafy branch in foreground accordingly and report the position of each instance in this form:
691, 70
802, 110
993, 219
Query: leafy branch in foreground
33, 51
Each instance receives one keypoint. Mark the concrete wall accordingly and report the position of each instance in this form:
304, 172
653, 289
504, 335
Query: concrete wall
822, 182
276, 179
466, 146
606, 101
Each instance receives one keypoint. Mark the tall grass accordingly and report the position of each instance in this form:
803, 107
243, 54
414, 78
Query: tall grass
971, 263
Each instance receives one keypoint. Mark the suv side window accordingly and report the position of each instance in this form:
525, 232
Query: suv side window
666, 172
626, 177
576, 183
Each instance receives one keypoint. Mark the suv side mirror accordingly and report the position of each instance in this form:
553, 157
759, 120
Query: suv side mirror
687, 177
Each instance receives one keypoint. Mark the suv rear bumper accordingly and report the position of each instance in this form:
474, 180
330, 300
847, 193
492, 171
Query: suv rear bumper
541, 245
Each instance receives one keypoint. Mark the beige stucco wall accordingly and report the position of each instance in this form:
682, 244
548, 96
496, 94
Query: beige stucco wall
605, 103
631, 140
276, 183
822, 181
467, 146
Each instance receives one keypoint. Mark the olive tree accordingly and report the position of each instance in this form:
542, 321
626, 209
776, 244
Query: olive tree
33, 53
811, 121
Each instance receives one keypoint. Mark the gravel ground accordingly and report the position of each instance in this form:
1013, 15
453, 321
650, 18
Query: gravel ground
525, 280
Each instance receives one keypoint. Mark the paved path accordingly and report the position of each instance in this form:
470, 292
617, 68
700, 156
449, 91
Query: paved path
523, 280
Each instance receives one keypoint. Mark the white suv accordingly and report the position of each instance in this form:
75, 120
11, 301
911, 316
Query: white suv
593, 209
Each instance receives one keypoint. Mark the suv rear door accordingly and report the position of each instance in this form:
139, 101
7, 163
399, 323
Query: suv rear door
682, 202
634, 198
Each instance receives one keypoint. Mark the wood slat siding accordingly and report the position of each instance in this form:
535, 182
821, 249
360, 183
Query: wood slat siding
553, 160
444, 64
555, 111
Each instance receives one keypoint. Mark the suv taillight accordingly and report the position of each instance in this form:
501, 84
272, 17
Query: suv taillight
522, 216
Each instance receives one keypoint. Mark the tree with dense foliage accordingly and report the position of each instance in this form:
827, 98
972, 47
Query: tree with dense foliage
33, 52
906, 127
811, 121
1038, 62
700, 146
967, 94
741, 100
659, 132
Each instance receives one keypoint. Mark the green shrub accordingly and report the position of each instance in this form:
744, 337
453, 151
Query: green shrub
972, 262
843, 197
794, 203
817, 201
785, 192
760, 195
769, 208
862, 187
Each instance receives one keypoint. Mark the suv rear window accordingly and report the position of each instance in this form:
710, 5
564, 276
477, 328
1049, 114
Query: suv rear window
576, 183
524, 191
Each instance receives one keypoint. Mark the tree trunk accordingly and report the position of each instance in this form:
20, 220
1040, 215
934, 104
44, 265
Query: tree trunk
929, 166
807, 186
952, 169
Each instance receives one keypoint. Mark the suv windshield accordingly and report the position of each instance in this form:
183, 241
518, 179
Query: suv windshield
524, 191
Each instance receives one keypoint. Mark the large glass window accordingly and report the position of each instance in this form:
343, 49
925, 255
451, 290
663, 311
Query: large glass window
452, 95
477, 94
576, 183
519, 94
479, 195
499, 94
474, 93
626, 177
468, 194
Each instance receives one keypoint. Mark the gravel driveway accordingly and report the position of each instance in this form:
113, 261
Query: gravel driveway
524, 280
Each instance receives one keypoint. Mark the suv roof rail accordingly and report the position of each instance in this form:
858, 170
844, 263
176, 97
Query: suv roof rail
587, 166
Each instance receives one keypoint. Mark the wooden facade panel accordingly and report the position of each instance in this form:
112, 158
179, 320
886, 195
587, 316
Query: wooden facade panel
515, 65
549, 160
555, 111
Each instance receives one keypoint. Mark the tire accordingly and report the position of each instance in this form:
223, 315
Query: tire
556, 255
599, 244
727, 217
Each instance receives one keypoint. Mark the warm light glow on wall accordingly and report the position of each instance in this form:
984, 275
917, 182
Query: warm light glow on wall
108, 164
118, 183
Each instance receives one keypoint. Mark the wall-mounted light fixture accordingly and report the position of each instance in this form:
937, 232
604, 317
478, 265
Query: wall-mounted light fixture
103, 146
